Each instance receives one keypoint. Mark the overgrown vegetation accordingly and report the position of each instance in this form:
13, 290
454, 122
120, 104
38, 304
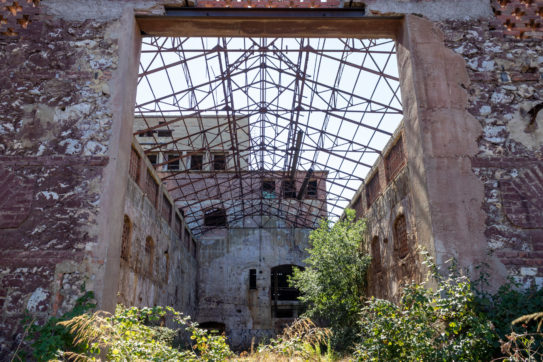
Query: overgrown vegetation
456, 321
45, 340
334, 279
427, 325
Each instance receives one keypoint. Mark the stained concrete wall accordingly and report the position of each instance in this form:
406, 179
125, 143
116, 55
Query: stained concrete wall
166, 274
225, 257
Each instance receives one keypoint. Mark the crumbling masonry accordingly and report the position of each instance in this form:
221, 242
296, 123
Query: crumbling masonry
82, 208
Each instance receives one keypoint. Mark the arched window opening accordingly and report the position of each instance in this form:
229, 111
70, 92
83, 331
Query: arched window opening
401, 245
285, 302
376, 254
215, 217
150, 253
126, 238
216, 328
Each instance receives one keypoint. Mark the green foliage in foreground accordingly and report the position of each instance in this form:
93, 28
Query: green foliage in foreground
333, 282
427, 325
45, 340
136, 334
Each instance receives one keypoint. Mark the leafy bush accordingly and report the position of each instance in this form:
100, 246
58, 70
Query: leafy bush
333, 282
504, 306
134, 333
45, 340
302, 339
426, 325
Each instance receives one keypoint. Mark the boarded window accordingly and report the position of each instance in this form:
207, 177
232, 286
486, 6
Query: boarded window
219, 161
312, 189
166, 209
289, 189
134, 168
373, 188
215, 217
401, 245
196, 162
394, 160
173, 161
151, 188
376, 254
268, 189
150, 253
126, 238
252, 278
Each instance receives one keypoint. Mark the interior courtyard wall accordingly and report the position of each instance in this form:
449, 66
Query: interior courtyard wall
225, 257
164, 270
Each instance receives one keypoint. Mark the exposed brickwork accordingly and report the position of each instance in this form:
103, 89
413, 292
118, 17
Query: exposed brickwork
519, 18
522, 198
373, 188
506, 82
401, 241
135, 162
395, 159
151, 188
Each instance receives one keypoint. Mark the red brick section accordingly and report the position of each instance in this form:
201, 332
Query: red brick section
16, 16
523, 198
268, 3
16, 195
394, 160
519, 18
373, 188
134, 167
401, 244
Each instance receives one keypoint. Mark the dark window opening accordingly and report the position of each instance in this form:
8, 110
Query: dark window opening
216, 328
173, 161
196, 162
280, 287
153, 158
134, 167
164, 133
283, 312
147, 134
215, 217
401, 245
312, 189
219, 161
151, 188
268, 189
252, 278
289, 189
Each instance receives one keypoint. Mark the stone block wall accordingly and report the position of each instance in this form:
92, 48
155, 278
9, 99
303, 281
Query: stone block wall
158, 254
225, 258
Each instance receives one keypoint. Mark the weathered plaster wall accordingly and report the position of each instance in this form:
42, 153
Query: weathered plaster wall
165, 274
225, 257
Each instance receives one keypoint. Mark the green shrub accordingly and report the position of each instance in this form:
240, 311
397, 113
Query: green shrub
333, 283
426, 325
137, 334
45, 340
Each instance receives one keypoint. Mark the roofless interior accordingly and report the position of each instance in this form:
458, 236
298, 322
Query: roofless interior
257, 127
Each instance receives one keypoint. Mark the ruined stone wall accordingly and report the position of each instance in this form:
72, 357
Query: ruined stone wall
158, 255
506, 98
225, 258
386, 202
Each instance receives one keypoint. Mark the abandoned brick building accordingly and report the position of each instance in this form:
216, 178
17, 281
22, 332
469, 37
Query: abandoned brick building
179, 152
